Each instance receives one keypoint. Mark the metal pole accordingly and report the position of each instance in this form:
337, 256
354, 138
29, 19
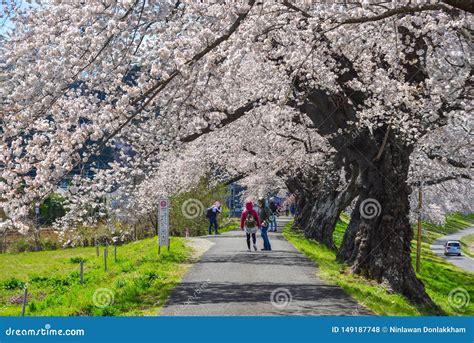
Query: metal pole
82, 271
233, 200
159, 248
105, 259
115, 252
37, 234
25, 301
418, 243
169, 243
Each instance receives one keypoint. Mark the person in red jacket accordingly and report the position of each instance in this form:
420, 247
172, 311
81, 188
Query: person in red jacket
250, 222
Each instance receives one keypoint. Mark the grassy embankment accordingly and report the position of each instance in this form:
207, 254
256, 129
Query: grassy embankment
139, 282
467, 244
439, 276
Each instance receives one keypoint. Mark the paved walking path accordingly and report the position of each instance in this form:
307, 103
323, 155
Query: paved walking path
229, 281
465, 262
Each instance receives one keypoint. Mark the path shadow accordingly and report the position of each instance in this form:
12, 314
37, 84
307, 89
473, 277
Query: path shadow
306, 299
274, 257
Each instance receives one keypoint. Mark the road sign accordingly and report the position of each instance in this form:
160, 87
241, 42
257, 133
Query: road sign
163, 221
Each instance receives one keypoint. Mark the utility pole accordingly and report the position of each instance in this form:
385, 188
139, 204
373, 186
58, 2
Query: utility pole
418, 243
37, 222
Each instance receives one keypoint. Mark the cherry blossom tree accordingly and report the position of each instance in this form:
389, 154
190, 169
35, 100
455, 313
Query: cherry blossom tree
360, 89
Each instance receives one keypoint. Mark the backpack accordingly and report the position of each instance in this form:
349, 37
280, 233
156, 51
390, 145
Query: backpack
209, 212
269, 213
250, 221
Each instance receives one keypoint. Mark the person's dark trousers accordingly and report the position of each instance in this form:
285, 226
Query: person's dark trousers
254, 239
213, 222
266, 241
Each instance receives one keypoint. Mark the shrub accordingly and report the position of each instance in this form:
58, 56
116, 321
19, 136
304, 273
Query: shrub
38, 279
48, 245
76, 259
127, 267
120, 283
52, 208
150, 276
13, 283
22, 245
32, 306
142, 282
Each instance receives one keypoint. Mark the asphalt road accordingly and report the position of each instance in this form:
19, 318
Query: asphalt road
230, 281
463, 261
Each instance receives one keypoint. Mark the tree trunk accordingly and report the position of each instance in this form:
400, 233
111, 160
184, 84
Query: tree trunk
330, 202
381, 247
346, 250
298, 185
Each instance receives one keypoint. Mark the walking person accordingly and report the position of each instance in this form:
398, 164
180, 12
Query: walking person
273, 221
265, 216
250, 222
212, 213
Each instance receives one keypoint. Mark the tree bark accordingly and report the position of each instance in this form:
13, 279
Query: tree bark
301, 186
346, 252
321, 200
330, 201
381, 248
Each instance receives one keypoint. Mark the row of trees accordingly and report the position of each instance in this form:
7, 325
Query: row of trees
342, 104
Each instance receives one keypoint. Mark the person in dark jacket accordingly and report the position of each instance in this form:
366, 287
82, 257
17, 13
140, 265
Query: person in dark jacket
250, 222
273, 221
212, 213
265, 216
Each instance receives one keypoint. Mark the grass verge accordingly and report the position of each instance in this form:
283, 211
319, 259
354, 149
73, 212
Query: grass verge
137, 284
440, 278
229, 224
467, 244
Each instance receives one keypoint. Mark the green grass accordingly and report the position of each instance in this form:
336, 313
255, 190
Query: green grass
140, 280
439, 277
229, 224
467, 244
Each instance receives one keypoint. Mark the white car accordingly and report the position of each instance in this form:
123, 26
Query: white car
452, 248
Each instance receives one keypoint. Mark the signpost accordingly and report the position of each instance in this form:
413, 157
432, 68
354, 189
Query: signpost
163, 223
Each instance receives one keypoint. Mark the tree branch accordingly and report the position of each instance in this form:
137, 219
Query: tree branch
230, 118
396, 11
437, 181
455, 163
465, 5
